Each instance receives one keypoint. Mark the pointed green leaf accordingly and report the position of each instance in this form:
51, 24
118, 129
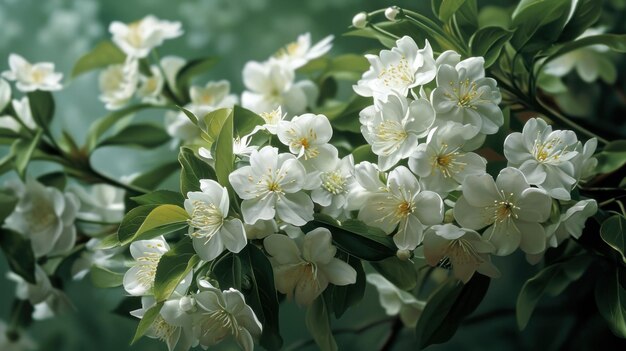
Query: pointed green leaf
613, 232
173, 266
102, 55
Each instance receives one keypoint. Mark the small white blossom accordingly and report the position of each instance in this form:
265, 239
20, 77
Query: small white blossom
271, 186
241, 149
546, 157
211, 97
103, 203
46, 300
572, 221
209, 226
464, 95
300, 52
394, 127
392, 12
510, 208
441, 162
151, 87
271, 84
303, 268
138, 38
45, 216
139, 279
172, 325
396, 301
335, 186
465, 250
272, 120
31, 77
403, 206
307, 137
403, 67
367, 183
224, 314
171, 66
118, 84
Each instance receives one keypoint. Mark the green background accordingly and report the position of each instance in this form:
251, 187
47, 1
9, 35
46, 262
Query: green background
238, 31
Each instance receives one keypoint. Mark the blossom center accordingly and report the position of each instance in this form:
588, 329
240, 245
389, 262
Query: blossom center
461, 253
398, 74
147, 268
465, 93
504, 210
271, 117
446, 161
162, 330
391, 132
334, 182
207, 218
405, 208
220, 323
549, 151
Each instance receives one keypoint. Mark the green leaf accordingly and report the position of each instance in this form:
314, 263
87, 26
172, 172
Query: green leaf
104, 278
152, 178
213, 122
612, 157
349, 295
142, 135
42, 107
190, 70
23, 150
170, 217
19, 254
615, 42
132, 221
193, 118
160, 197
193, 169
552, 280
488, 42
357, 238
146, 321
104, 54
345, 116
318, 324
446, 308
224, 152
538, 23
611, 302
401, 273
7, 205
245, 120
364, 153
613, 233
228, 271
173, 266
55, 179
586, 14
448, 8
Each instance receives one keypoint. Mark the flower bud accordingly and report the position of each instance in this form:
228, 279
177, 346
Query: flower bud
448, 217
403, 255
187, 304
359, 20
391, 12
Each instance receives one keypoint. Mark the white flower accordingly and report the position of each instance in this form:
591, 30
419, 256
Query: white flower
307, 137
303, 268
138, 38
224, 314
5, 94
396, 301
172, 325
403, 67
31, 77
23, 112
213, 96
118, 83
270, 85
335, 186
171, 66
464, 95
241, 148
367, 182
509, 206
103, 203
585, 164
45, 216
151, 86
441, 162
209, 227
545, 157
403, 206
464, 249
139, 279
261, 229
95, 256
272, 120
590, 62
300, 52
15, 342
46, 300
392, 12
394, 127
572, 221
271, 186
359, 20
179, 126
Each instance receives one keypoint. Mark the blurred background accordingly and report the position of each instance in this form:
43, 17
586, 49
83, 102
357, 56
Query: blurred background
237, 31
